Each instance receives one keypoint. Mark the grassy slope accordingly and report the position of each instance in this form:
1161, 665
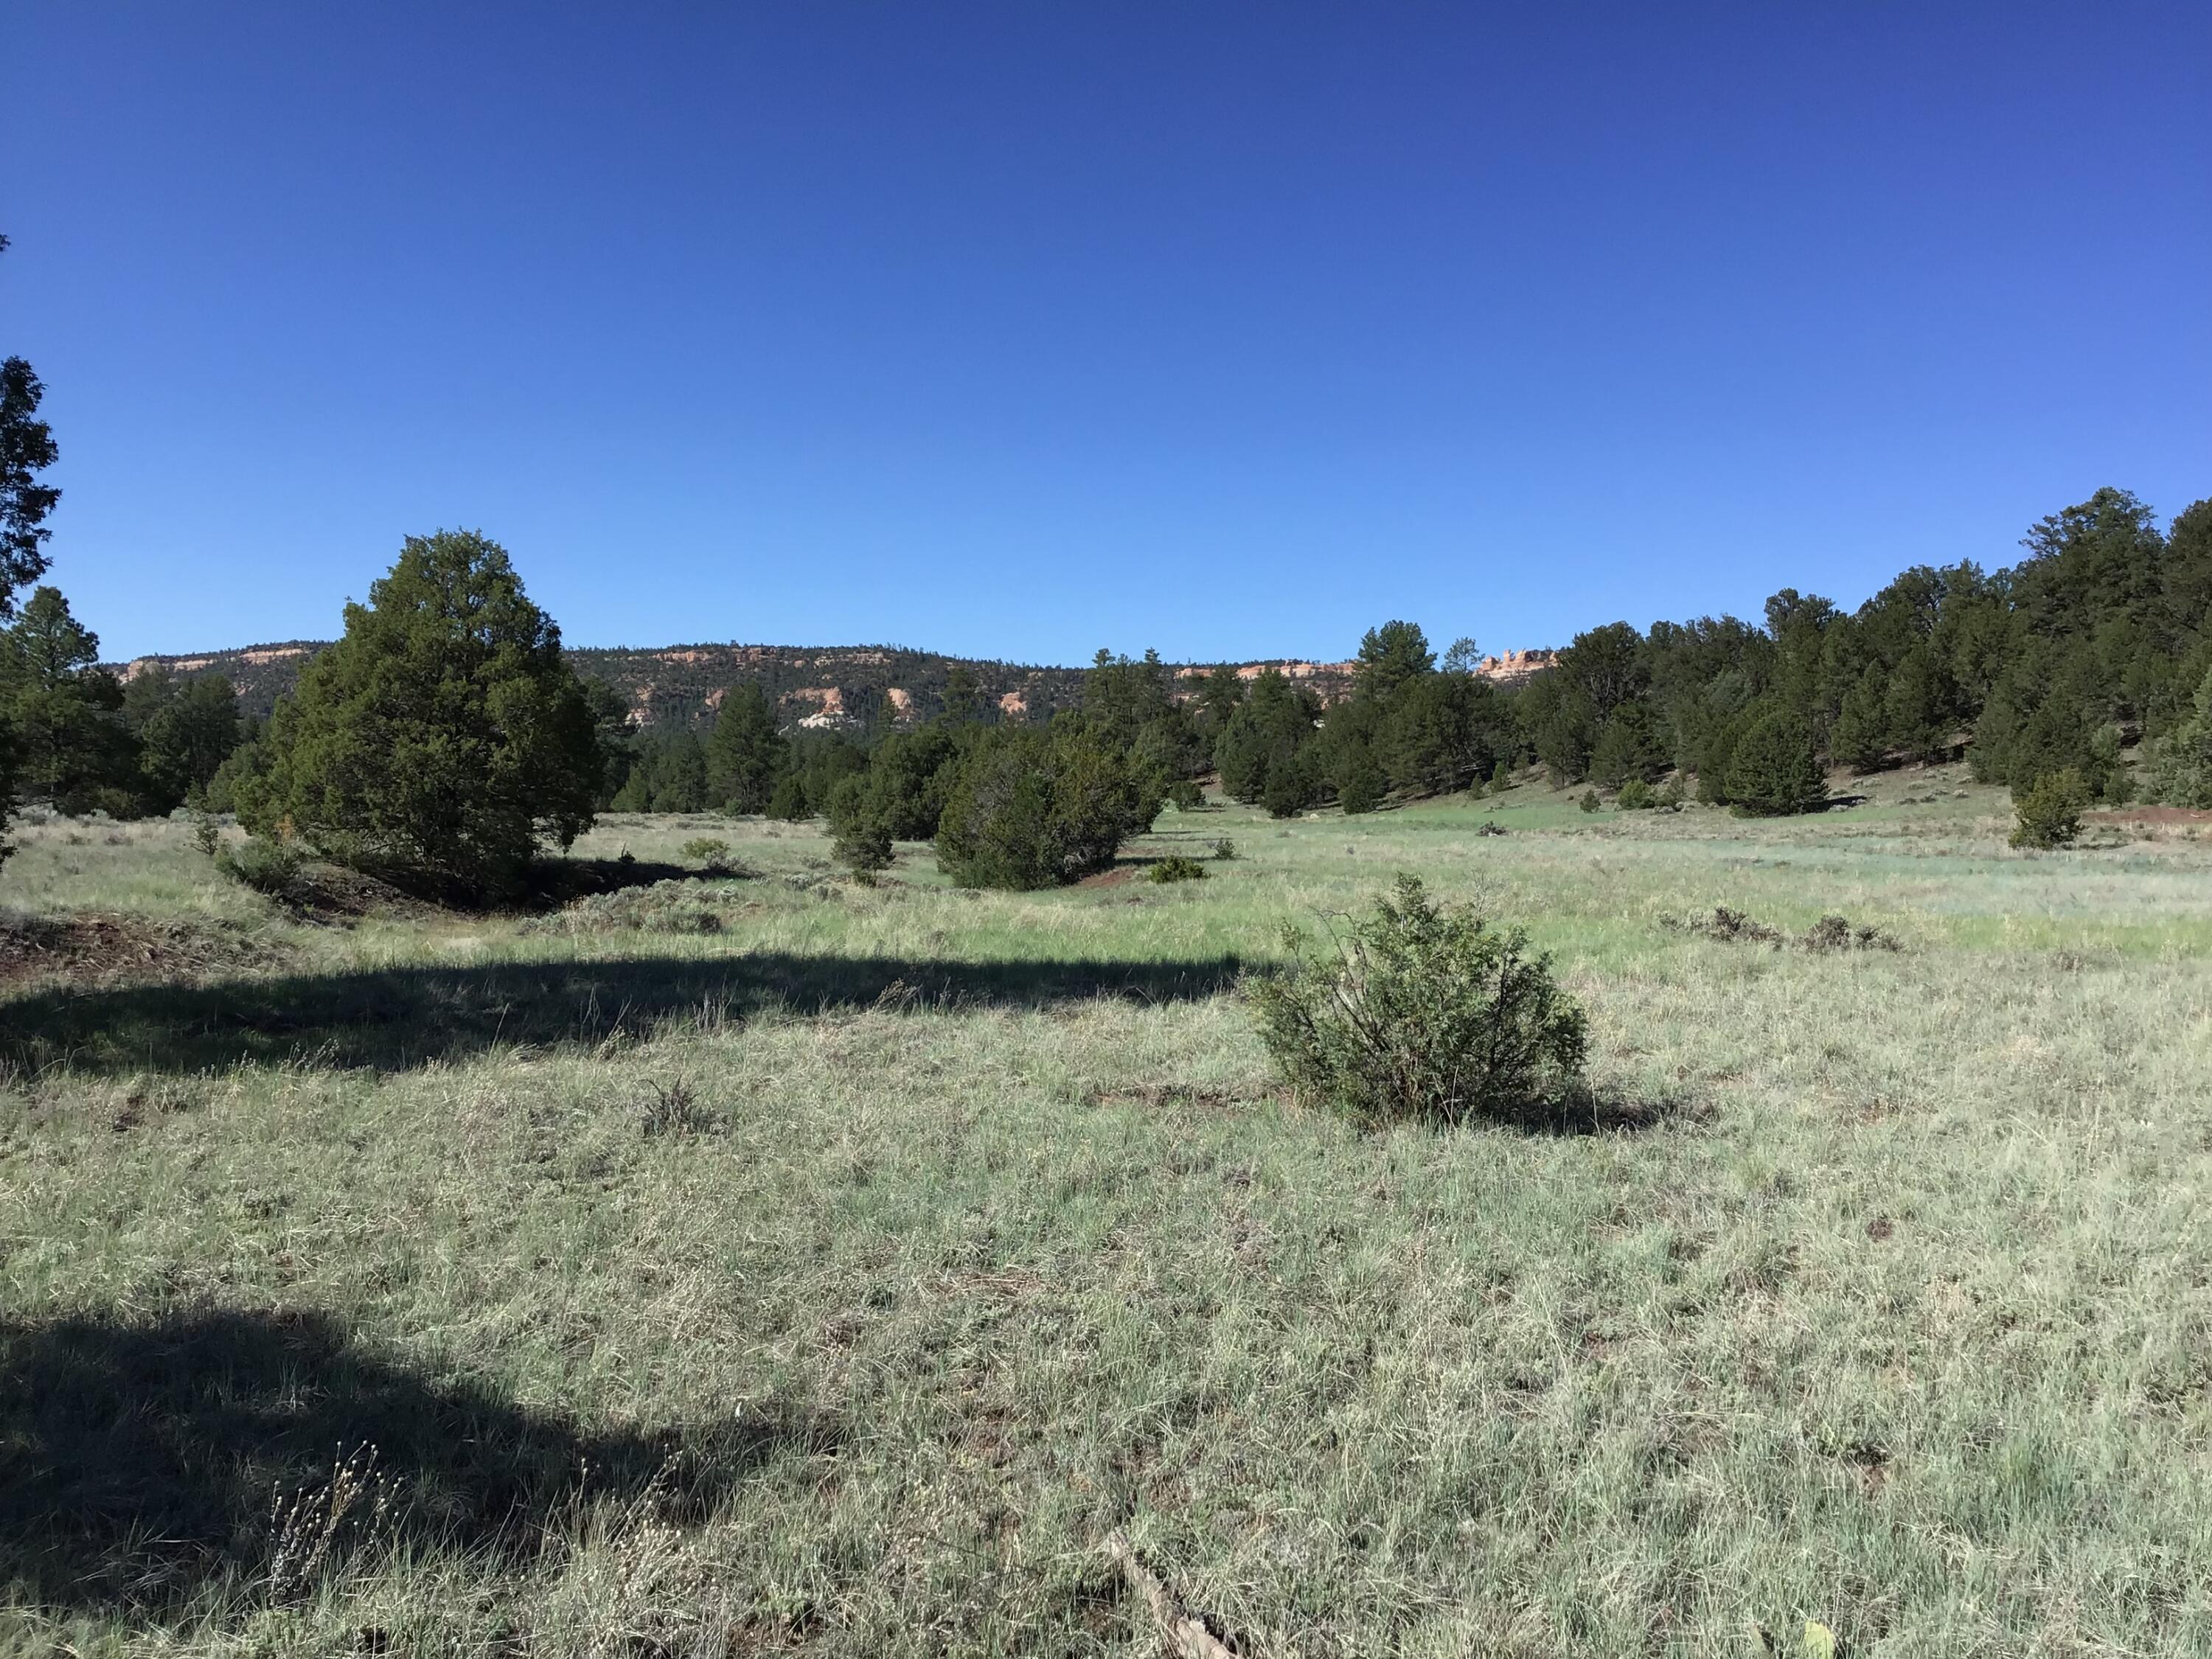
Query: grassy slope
1898, 1318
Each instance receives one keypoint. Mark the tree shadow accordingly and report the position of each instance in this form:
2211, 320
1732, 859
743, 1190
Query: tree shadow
396, 1018
140, 1463
1598, 1112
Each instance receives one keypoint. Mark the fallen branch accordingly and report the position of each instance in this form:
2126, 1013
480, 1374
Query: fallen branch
1187, 1636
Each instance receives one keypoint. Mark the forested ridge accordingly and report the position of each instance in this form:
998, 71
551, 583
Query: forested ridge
2091, 657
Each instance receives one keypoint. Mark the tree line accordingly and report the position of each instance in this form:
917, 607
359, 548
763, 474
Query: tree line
446, 735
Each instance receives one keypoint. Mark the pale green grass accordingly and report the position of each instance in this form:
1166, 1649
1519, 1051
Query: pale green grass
1899, 1318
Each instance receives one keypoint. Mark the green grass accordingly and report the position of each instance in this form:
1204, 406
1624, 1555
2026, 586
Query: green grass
983, 1231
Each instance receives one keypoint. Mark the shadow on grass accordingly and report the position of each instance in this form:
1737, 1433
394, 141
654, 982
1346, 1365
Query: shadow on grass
395, 1018
1596, 1112
142, 1463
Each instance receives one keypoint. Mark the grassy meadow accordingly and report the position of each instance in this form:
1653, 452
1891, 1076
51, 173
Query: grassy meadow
769, 1263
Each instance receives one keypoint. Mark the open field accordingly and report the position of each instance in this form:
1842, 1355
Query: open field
773, 1264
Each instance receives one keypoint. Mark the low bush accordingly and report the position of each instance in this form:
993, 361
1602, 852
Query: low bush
1421, 1011
710, 851
1635, 796
2050, 813
1185, 795
1177, 868
1590, 802
267, 867
1224, 848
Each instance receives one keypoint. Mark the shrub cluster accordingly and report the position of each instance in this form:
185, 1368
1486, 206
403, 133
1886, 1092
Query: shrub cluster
1177, 868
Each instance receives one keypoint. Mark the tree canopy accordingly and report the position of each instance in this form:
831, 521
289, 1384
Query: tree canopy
443, 737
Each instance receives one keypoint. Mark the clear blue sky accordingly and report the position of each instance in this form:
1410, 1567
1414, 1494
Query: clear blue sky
1016, 330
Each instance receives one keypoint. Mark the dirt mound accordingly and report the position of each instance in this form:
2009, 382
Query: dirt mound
111, 947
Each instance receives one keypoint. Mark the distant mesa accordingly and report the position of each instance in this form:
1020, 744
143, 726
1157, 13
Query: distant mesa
819, 689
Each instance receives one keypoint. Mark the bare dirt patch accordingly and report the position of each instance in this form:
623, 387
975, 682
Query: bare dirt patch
112, 947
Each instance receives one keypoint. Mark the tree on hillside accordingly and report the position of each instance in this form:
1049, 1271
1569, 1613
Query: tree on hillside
2181, 771
963, 699
1629, 747
442, 737
1772, 770
1265, 738
1860, 737
27, 449
746, 753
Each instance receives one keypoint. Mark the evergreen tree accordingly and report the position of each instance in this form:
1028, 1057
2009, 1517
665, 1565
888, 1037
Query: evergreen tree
1441, 732
747, 753
1273, 726
1628, 746
679, 774
1031, 808
186, 732
27, 449
61, 713
1773, 769
2181, 768
617, 741
963, 701
1360, 781
443, 735
1389, 657
1860, 737
1920, 705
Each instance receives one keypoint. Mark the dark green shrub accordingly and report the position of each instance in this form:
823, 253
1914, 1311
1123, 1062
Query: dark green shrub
1177, 868
1773, 769
1224, 848
1185, 796
1421, 1011
1031, 808
708, 850
1635, 796
267, 867
860, 835
2050, 813
1360, 782
1292, 785
1590, 802
789, 800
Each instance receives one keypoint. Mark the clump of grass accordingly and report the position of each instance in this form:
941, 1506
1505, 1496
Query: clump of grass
679, 906
1422, 1011
1177, 868
674, 1110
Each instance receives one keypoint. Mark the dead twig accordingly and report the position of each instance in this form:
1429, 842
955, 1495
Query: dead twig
1187, 1635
